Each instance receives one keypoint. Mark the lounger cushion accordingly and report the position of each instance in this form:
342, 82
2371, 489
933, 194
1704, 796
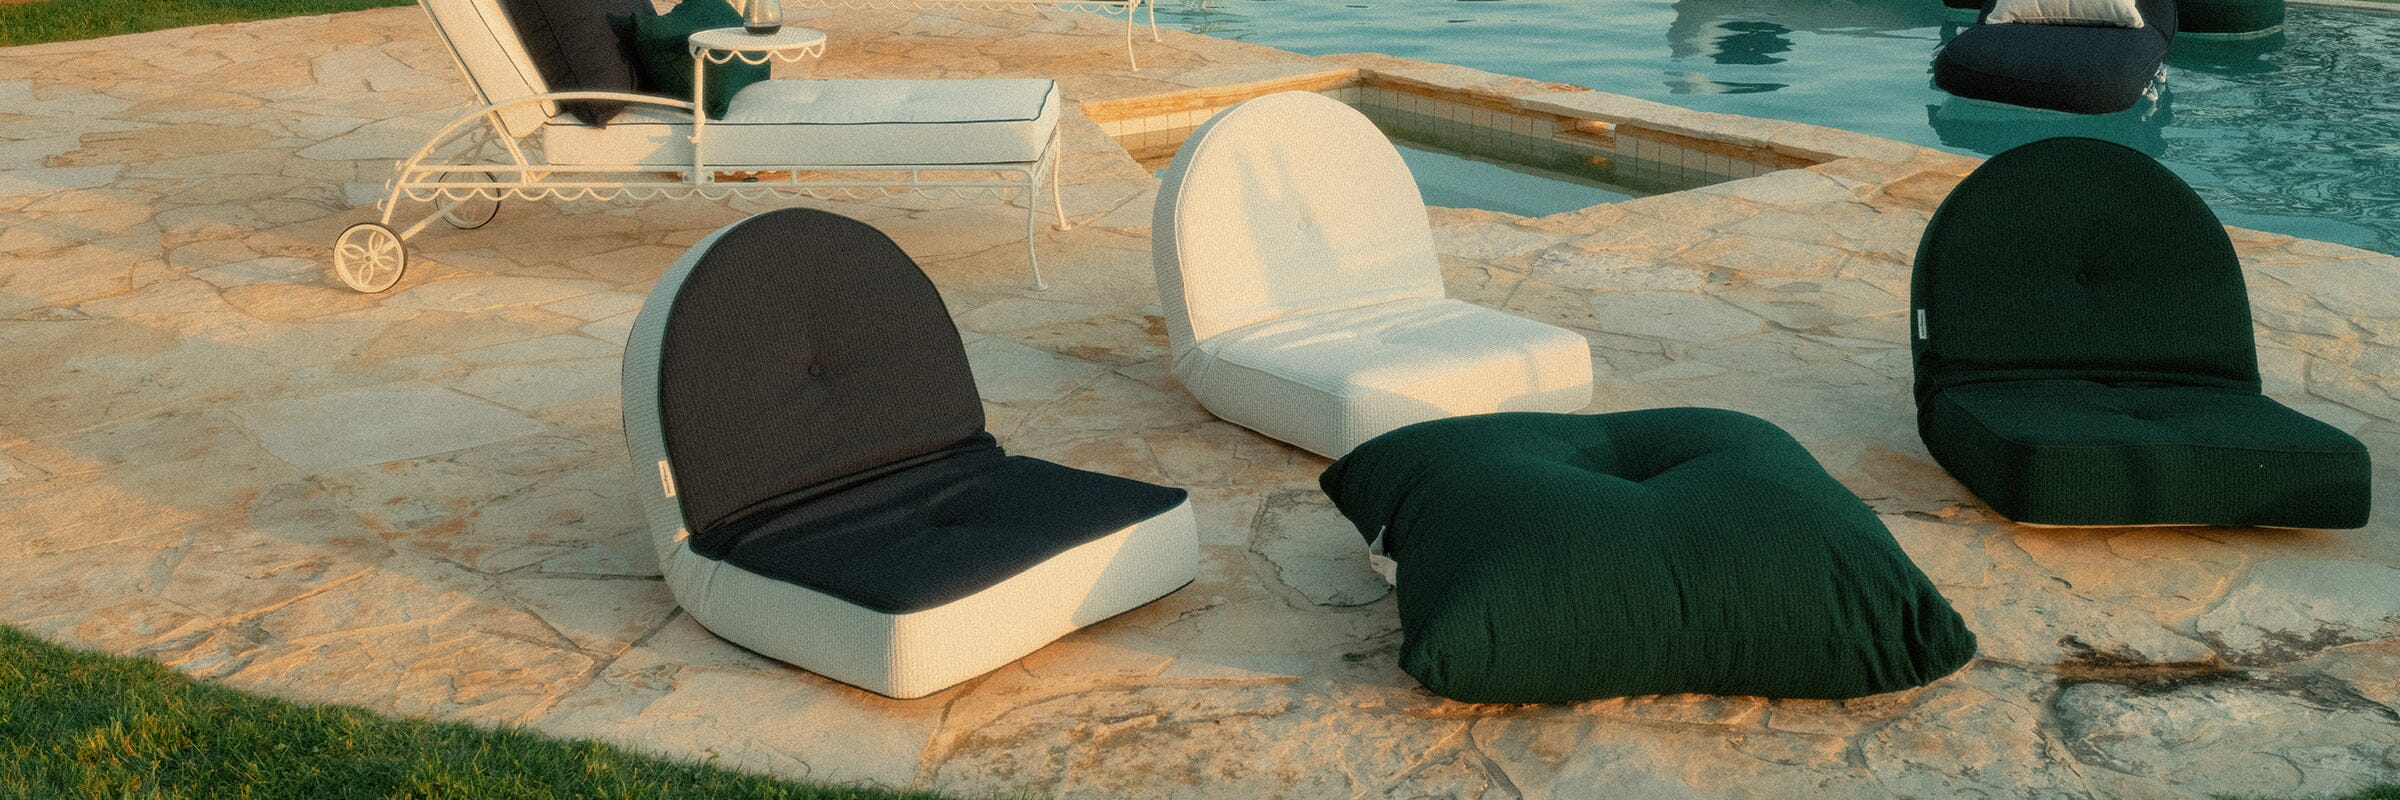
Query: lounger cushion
2084, 453
824, 491
2077, 69
582, 45
664, 43
834, 123
2228, 16
1331, 380
1302, 295
2084, 355
1555, 558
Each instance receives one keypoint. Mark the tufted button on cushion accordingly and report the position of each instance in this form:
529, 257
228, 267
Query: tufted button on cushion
1560, 557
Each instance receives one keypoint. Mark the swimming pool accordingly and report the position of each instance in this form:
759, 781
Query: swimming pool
2297, 133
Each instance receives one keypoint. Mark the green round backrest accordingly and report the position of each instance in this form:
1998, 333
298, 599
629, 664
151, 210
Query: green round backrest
2078, 259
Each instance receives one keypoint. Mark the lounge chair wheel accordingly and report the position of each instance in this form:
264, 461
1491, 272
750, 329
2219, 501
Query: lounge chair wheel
369, 257
474, 212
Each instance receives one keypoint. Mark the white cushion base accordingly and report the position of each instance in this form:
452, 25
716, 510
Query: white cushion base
916, 654
830, 123
1331, 380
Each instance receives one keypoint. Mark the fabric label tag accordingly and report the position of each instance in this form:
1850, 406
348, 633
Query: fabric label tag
1921, 325
666, 479
1378, 558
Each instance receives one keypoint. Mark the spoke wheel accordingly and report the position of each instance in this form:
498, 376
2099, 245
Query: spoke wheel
474, 212
369, 257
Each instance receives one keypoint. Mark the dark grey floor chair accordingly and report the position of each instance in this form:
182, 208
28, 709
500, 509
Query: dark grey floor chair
820, 483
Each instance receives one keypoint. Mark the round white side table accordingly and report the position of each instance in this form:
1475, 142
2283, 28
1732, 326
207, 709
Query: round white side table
727, 45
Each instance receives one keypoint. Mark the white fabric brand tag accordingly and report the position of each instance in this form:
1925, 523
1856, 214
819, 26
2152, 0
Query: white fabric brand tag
1383, 564
1921, 325
666, 479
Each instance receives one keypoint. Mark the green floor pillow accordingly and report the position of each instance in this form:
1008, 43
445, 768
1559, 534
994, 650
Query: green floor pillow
664, 43
1547, 558
2083, 355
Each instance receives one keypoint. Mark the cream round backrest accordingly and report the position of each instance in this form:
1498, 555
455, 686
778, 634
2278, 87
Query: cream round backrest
1286, 204
493, 58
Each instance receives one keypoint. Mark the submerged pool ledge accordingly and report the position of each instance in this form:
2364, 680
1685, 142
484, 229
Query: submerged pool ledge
1711, 148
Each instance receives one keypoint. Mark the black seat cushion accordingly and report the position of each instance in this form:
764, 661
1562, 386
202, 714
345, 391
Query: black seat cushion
2083, 354
825, 429
582, 46
2078, 69
923, 537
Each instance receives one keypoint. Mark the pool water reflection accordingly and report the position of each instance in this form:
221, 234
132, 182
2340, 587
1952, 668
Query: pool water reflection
2297, 132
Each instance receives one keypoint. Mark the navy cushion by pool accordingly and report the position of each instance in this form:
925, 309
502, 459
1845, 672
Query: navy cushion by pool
2083, 355
583, 46
2228, 16
1561, 557
2079, 69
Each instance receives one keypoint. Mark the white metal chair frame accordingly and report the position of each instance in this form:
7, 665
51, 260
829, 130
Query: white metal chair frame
1108, 7
457, 171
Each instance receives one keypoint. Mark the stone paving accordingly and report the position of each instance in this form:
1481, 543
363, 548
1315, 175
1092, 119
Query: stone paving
214, 456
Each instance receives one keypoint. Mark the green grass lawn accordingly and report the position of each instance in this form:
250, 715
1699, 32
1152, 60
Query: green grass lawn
66, 20
76, 724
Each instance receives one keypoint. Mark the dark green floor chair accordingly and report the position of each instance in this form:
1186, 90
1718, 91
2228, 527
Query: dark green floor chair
1548, 558
2083, 355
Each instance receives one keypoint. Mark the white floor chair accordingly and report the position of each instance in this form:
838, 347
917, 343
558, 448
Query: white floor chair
1303, 298
818, 138
820, 485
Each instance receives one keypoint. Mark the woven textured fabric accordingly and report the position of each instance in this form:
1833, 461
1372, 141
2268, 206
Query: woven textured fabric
824, 492
1303, 298
2083, 355
1556, 558
2072, 68
663, 43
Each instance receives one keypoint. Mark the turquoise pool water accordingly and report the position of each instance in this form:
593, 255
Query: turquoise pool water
2297, 133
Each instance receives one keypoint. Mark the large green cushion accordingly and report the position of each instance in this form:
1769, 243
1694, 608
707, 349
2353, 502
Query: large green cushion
664, 44
2099, 281
1559, 557
2178, 455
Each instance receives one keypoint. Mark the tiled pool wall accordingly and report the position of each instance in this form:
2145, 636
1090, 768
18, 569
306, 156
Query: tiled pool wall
1650, 161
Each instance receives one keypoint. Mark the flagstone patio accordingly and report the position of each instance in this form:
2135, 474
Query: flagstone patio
214, 456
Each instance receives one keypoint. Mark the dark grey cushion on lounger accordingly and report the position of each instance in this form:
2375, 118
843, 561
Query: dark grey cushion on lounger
582, 46
2083, 70
825, 429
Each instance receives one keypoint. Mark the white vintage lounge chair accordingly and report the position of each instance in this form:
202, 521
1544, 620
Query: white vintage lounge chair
1302, 296
826, 138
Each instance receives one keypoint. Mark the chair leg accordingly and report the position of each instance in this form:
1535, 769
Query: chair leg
1058, 205
1153, 4
1129, 23
1032, 259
